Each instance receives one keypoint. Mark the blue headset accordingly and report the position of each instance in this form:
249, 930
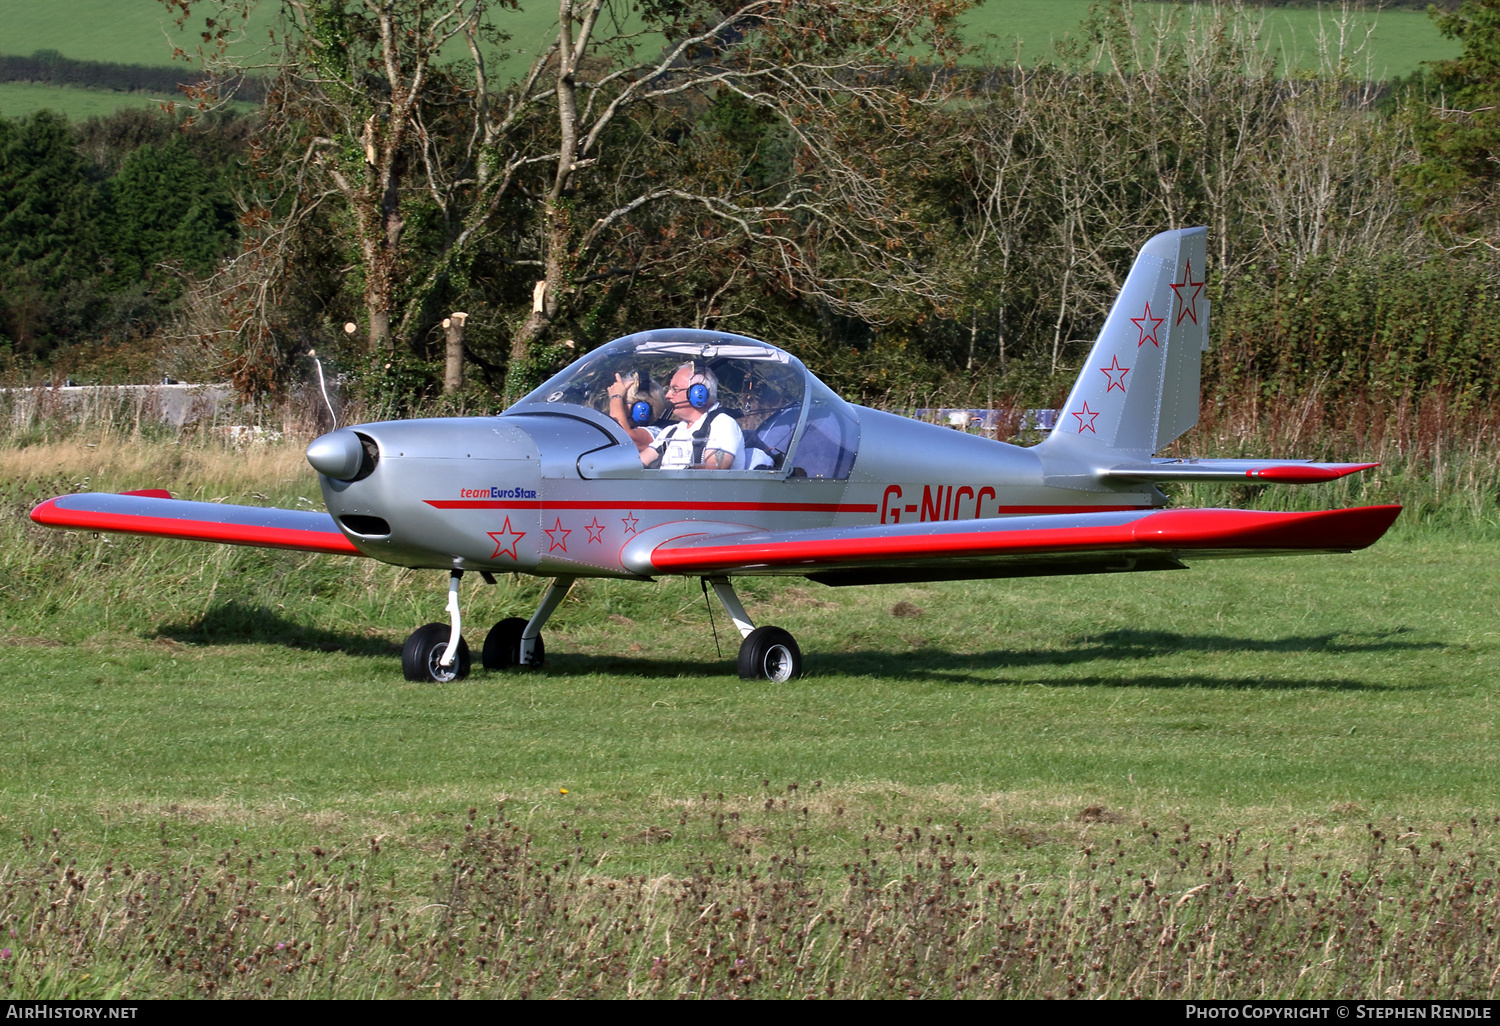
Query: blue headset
640, 412
697, 396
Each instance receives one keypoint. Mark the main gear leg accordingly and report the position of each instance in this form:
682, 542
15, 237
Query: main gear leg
517, 642
767, 653
531, 638
731, 603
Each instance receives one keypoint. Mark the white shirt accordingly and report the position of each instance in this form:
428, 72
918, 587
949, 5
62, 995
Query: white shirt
676, 442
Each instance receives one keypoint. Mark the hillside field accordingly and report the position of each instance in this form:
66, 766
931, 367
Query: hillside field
138, 32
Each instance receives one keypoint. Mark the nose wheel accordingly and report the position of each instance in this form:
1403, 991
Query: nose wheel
422, 656
437, 653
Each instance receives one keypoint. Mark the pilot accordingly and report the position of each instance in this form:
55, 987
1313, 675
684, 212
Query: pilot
704, 435
637, 409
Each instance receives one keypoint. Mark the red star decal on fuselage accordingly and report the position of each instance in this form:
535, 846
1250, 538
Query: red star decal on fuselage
629, 520
1148, 336
1189, 304
1090, 414
1110, 372
501, 548
595, 530
557, 536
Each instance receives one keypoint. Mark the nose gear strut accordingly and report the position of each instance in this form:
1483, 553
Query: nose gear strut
437, 652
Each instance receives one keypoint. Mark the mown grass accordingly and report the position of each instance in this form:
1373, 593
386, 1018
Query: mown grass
212, 716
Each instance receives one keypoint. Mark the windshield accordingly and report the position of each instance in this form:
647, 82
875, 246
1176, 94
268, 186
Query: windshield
760, 386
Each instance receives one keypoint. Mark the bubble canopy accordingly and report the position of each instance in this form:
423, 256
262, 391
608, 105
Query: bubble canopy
802, 428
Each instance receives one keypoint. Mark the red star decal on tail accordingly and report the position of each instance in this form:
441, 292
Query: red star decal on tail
1090, 414
1187, 303
1110, 372
501, 548
557, 536
595, 530
629, 520
1148, 336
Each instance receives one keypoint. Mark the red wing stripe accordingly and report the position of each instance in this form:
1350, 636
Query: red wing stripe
770, 507
1167, 530
754, 507
233, 530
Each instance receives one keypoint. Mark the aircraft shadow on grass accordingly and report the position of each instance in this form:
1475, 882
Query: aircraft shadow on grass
231, 623
980, 668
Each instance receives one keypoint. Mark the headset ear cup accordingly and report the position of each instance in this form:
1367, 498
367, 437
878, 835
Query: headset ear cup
640, 412
697, 396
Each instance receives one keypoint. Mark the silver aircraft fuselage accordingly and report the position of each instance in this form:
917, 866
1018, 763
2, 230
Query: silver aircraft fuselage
566, 494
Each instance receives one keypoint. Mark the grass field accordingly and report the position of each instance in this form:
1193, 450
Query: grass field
20, 99
138, 32
1288, 747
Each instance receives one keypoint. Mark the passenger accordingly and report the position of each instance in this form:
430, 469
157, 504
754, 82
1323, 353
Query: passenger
624, 394
704, 436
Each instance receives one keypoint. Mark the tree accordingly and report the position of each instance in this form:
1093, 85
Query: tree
47, 211
435, 169
164, 208
1457, 124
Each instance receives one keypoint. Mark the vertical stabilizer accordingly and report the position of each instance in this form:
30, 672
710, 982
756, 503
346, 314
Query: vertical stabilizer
1138, 389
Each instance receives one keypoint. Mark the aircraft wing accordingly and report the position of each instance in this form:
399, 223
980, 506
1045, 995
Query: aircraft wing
1023, 546
156, 514
1242, 471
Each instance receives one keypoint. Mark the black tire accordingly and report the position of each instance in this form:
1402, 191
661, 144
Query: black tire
421, 655
770, 653
502, 646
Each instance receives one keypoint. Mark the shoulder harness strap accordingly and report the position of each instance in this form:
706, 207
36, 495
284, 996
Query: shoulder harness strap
700, 435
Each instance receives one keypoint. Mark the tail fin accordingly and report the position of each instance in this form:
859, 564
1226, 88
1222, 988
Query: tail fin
1138, 390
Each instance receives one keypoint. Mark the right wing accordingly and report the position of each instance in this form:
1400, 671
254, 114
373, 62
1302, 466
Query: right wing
152, 513
1022, 546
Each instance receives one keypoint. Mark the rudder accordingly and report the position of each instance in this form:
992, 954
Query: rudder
1138, 389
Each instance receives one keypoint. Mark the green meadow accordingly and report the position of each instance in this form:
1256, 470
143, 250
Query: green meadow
1254, 738
139, 32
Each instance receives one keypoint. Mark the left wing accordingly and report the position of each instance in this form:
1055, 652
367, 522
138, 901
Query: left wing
154, 513
1023, 546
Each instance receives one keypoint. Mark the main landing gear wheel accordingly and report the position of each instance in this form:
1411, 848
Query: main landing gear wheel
770, 653
502, 646
421, 656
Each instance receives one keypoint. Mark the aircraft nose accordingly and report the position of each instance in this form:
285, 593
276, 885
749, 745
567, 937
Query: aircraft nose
340, 455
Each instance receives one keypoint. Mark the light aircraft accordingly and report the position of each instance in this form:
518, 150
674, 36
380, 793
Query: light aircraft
714, 455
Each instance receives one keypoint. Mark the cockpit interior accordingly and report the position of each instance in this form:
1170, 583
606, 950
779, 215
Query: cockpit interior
793, 424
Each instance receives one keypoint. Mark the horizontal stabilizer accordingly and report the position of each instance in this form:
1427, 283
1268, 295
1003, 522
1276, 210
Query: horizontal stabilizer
151, 513
1242, 471
1042, 542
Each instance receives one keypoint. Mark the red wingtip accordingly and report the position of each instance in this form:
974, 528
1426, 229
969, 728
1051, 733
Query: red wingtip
151, 493
41, 513
1303, 473
1333, 529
